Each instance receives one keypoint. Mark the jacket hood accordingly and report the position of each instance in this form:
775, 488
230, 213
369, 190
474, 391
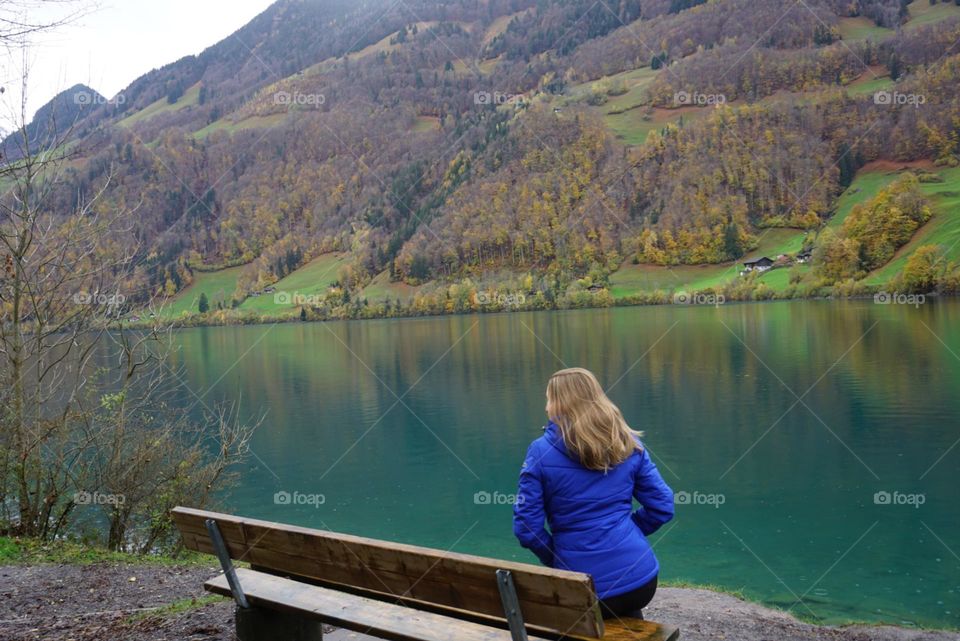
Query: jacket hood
551, 432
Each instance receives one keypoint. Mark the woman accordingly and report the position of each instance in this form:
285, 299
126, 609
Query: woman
581, 476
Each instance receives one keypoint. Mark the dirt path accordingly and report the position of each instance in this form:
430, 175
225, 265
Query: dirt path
101, 601
110, 601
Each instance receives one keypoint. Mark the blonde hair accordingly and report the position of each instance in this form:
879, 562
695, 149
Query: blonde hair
592, 427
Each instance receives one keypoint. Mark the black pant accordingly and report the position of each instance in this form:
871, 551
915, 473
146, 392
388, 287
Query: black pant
629, 604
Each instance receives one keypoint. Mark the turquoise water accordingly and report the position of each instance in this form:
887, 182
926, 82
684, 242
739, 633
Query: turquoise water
399, 424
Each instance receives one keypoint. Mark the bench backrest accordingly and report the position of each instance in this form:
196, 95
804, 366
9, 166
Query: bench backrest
552, 600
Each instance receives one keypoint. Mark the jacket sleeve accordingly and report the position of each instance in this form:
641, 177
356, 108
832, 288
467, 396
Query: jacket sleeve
528, 510
654, 495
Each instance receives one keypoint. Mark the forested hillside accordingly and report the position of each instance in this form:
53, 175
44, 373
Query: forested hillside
547, 149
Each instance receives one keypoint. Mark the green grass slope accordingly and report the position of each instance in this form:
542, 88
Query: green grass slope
626, 114
779, 279
942, 230
386, 46
923, 13
218, 286
635, 81
630, 280
778, 240
311, 280
877, 79
636, 279
864, 187
860, 28
381, 289
632, 127
251, 122
189, 98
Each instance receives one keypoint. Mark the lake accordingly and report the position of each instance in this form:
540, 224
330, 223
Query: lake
812, 445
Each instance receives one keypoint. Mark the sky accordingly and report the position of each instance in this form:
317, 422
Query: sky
115, 43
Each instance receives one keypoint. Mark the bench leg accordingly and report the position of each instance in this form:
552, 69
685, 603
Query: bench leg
261, 624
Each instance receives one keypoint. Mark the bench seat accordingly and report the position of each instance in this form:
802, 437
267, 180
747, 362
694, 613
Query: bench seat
398, 622
357, 613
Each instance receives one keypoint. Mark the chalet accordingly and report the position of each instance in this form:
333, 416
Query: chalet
804, 256
270, 290
761, 264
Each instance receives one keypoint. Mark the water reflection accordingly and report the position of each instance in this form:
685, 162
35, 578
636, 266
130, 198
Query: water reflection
797, 413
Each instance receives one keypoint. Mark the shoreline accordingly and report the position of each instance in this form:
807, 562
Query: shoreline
230, 320
159, 601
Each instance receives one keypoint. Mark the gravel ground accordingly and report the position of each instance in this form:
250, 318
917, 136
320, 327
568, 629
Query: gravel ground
703, 615
116, 601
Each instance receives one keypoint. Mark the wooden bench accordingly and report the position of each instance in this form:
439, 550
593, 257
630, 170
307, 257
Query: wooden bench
300, 578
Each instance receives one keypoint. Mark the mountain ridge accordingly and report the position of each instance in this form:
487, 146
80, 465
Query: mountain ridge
431, 149
53, 120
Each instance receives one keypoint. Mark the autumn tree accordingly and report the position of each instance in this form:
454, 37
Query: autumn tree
836, 257
923, 269
886, 222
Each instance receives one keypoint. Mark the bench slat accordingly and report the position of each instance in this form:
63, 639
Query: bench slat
357, 613
551, 599
405, 576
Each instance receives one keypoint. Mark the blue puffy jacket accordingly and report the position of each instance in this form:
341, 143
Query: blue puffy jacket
593, 527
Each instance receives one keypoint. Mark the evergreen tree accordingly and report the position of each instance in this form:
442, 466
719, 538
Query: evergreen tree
847, 165
894, 66
174, 92
731, 240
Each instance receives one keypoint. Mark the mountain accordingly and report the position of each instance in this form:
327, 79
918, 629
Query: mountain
544, 146
53, 121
